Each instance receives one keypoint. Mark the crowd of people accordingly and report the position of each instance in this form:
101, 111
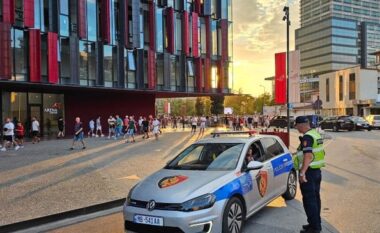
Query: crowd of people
126, 128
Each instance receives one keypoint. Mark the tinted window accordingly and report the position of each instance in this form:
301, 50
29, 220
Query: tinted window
272, 147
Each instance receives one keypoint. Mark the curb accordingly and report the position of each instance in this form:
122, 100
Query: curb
19, 226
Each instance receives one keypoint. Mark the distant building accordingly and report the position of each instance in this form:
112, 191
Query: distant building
351, 91
335, 35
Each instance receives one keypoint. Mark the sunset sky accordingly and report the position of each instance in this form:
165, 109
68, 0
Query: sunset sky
259, 33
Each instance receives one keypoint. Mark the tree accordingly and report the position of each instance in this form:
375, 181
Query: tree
217, 104
199, 106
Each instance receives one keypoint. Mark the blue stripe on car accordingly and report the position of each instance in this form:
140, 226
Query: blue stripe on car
241, 185
280, 167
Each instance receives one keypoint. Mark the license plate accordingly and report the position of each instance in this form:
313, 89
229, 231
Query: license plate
148, 220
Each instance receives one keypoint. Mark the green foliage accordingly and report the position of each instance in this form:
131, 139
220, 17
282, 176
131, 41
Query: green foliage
217, 104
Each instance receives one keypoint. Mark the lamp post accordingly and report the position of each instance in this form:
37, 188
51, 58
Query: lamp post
286, 18
262, 108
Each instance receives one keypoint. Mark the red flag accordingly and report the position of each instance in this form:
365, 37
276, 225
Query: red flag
280, 79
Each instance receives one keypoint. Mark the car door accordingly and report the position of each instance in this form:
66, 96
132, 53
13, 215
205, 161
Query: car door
260, 181
281, 163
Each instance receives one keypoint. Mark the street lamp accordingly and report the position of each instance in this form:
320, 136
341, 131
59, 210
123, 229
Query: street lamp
286, 18
262, 108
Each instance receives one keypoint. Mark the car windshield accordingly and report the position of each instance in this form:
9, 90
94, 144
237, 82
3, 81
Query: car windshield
210, 157
377, 118
358, 120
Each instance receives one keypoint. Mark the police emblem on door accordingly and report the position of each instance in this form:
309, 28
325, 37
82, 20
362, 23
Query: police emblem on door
262, 182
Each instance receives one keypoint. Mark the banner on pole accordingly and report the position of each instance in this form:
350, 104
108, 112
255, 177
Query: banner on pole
280, 78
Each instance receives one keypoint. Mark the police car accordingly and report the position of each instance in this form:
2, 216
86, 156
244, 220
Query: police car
211, 186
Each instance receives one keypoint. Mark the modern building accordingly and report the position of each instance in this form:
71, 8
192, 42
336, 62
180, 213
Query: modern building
351, 91
92, 58
334, 35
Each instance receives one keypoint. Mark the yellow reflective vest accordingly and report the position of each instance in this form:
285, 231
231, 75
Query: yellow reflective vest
318, 152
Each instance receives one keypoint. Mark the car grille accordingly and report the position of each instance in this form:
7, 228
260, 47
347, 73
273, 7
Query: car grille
159, 206
142, 228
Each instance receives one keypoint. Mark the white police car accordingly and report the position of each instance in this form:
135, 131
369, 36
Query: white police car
211, 187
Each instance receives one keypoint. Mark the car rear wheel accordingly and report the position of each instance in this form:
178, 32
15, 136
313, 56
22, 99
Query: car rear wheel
291, 186
233, 216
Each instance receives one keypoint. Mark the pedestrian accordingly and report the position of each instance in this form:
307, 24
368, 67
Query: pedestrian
99, 127
183, 122
194, 122
131, 129
91, 126
8, 135
78, 133
145, 125
126, 125
35, 130
141, 128
309, 161
250, 121
111, 127
174, 122
61, 126
20, 133
156, 127
118, 127
202, 125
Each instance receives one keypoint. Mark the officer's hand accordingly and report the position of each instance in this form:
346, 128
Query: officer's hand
303, 179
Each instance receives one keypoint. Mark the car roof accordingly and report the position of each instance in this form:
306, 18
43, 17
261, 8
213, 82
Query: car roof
234, 139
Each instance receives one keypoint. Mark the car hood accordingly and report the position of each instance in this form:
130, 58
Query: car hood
178, 186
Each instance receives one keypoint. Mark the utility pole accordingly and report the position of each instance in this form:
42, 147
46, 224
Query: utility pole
286, 18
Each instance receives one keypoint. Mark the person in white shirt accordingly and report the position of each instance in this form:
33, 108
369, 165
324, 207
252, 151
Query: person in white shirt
194, 122
99, 128
8, 135
156, 127
202, 125
91, 125
35, 130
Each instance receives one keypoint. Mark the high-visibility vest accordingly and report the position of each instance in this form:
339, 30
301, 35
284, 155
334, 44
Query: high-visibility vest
318, 152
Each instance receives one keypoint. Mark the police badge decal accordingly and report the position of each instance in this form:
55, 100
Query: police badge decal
262, 182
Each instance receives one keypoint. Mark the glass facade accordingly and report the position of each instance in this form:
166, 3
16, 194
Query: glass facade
19, 52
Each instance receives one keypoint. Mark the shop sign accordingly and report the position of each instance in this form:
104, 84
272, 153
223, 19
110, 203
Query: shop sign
52, 111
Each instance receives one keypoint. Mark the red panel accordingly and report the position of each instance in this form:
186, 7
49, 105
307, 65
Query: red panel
9, 11
224, 29
280, 78
197, 6
52, 57
35, 55
220, 76
126, 24
207, 62
29, 13
208, 36
5, 54
185, 29
170, 29
106, 20
198, 73
195, 35
152, 25
82, 19
151, 69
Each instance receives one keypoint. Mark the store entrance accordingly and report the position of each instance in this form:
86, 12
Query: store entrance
35, 110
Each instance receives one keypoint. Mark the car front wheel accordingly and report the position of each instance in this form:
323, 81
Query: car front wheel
291, 186
233, 216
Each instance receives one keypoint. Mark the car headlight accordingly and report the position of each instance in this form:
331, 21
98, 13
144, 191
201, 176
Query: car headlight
129, 197
199, 203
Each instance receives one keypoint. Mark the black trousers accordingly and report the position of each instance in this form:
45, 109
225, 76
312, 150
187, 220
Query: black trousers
311, 197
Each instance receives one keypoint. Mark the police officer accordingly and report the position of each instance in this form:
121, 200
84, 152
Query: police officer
309, 161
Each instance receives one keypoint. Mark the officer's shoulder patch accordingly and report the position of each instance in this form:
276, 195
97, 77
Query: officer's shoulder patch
304, 143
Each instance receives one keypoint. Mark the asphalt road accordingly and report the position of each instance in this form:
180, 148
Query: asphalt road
350, 193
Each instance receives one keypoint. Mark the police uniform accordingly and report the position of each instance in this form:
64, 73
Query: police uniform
311, 142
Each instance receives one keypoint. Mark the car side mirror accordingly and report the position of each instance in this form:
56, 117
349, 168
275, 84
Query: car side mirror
254, 165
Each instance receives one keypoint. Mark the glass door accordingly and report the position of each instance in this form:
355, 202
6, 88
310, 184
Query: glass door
35, 111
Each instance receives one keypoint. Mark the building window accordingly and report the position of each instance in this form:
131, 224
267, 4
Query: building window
214, 38
108, 65
92, 31
190, 76
159, 31
64, 18
173, 68
160, 71
87, 63
39, 19
178, 33
130, 68
65, 60
327, 90
352, 87
340, 88
19, 45
202, 37
44, 62
214, 77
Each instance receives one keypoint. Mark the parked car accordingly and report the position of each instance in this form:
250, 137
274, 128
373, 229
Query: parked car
281, 122
314, 120
374, 121
337, 123
212, 186
360, 123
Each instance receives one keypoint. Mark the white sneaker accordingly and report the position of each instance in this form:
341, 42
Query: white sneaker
17, 147
3, 149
